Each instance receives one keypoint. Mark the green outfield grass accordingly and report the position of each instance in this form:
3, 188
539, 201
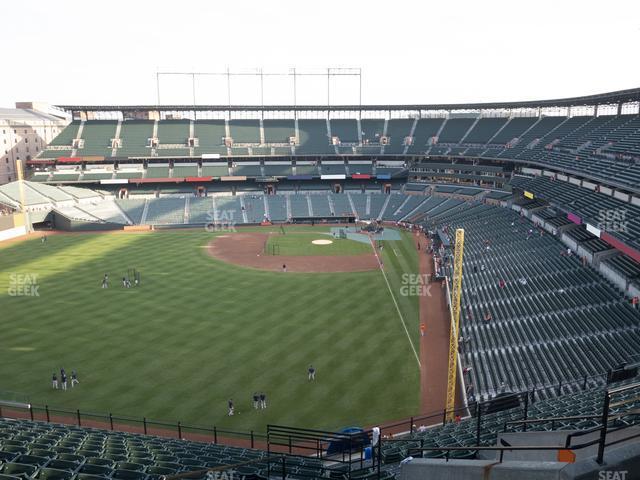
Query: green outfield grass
299, 243
199, 331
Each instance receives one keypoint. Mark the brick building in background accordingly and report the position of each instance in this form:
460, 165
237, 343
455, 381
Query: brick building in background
24, 132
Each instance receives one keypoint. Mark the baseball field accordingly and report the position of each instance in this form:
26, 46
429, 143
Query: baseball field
200, 329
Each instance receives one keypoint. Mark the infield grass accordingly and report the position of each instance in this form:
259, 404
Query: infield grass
300, 243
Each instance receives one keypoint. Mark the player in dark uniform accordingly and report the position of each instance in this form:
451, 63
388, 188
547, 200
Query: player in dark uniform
263, 400
231, 408
74, 378
256, 399
63, 379
54, 381
312, 373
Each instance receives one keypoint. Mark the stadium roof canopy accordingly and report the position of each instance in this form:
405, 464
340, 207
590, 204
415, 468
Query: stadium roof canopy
611, 98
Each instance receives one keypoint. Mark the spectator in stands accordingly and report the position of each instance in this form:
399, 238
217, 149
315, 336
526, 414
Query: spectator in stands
502, 283
422, 428
231, 408
634, 301
54, 381
312, 373
466, 369
487, 316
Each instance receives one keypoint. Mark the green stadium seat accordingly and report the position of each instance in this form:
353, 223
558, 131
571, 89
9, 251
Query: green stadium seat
136, 467
71, 457
102, 462
31, 460
19, 469
96, 470
7, 456
62, 465
128, 475
53, 474
39, 452
11, 477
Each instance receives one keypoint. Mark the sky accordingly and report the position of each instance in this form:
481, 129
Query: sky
409, 52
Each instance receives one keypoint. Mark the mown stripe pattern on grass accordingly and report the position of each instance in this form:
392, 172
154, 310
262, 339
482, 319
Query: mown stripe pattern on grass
199, 331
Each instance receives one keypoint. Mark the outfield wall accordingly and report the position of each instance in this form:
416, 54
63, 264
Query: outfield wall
64, 223
11, 227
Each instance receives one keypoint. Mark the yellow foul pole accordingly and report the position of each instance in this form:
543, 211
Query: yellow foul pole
456, 289
21, 218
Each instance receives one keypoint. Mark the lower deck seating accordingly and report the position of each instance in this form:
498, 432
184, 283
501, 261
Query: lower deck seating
228, 210
254, 208
277, 208
133, 208
341, 205
320, 205
299, 206
168, 211
200, 210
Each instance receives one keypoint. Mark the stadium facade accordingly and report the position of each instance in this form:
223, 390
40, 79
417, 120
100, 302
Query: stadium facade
549, 192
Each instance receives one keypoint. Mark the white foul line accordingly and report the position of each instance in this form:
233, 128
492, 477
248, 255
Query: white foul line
404, 325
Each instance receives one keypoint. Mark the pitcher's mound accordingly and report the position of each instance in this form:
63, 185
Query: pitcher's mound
322, 242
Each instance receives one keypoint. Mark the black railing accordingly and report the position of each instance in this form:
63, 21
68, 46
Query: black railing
604, 427
343, 452
123, 423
